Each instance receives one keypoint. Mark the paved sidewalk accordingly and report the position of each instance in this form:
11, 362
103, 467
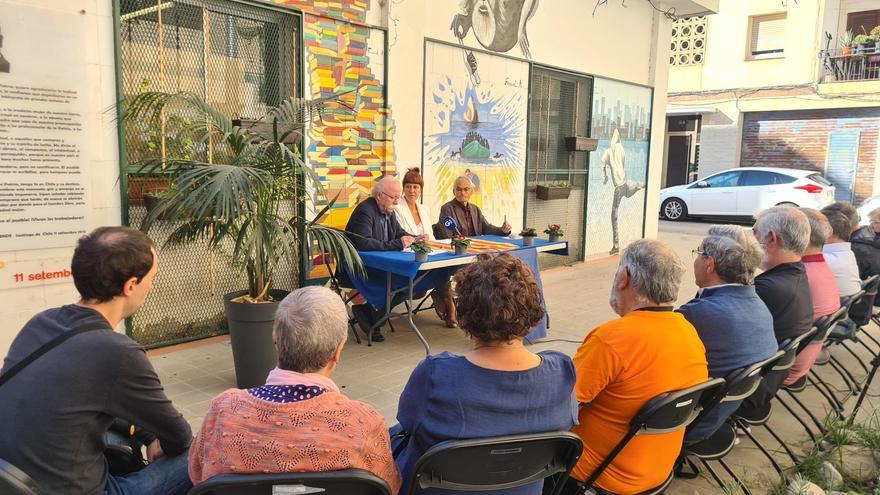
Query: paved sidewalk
577, 301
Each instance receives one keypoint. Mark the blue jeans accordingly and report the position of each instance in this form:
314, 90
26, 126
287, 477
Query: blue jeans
168, 476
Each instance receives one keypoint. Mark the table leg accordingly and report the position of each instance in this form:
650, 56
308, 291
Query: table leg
389, 295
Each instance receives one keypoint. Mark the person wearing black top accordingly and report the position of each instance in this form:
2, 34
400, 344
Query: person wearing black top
865, 243
57, 409
374, 227
783, 232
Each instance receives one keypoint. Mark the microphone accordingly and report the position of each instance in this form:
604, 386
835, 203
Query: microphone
450, 223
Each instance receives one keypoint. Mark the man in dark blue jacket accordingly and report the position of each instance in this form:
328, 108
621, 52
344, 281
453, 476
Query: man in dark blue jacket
734, 324
375, 228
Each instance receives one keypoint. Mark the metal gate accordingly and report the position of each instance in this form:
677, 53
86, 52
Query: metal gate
842, 162
242, 60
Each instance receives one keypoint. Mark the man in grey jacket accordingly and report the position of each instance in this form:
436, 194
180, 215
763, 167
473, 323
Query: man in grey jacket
56, 410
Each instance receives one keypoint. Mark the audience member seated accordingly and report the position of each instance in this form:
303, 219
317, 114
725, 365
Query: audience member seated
624, 363
839, 255
784, 233
57, 409
299, 421
375, 228
499, 388
731, 320
823, 289
865, 243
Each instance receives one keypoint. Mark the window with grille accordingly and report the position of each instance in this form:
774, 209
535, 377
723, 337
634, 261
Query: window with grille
767, 36
688, 41
242, 60
559, 108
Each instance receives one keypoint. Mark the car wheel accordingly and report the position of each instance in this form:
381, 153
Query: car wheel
674, 209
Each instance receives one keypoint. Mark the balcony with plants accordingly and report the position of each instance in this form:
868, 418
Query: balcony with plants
856, 58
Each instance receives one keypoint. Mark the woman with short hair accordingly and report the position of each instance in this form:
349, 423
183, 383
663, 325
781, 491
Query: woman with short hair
299, 421
500, 387
410, 212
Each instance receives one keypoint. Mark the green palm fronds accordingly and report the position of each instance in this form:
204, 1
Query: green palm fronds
236, 198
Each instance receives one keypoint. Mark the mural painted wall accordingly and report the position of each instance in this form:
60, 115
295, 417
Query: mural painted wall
348, 149
618, 166
475, 125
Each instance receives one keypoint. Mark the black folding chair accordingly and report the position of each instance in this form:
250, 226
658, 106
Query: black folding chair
823, 327
346, 482
738, 385
14, 481
497, 463
665, 413
778, 372
840, 339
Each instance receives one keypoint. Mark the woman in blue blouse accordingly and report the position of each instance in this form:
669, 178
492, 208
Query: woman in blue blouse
499, 388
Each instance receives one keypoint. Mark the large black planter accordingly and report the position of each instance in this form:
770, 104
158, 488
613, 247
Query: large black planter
250, 332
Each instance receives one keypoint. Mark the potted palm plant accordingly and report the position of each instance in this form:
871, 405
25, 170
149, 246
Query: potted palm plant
846, 42
236, 203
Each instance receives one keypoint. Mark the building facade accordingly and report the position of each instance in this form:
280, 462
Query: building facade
764, 83
487, 89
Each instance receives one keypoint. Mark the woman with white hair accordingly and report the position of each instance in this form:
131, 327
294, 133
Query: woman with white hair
299, 421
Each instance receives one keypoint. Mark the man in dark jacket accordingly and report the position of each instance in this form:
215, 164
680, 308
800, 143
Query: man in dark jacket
375, 228
56, 410
865, 243
467, 215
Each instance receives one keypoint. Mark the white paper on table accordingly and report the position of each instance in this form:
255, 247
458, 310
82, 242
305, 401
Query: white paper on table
513, 237
444, 241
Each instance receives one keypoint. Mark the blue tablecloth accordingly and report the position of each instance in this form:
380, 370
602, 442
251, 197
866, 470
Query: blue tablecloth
403, 267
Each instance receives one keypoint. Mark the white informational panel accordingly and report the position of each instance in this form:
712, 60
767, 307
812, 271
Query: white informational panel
43, 161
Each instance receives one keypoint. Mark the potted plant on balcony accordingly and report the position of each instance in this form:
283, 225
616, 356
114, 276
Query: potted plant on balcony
846, 42
528, 235
460, 243
554, 230
421, 249
237, 203
866, 43
554, 190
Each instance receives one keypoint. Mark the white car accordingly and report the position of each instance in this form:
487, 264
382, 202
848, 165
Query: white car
742, 192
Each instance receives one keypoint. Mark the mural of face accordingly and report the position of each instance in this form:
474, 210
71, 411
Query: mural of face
497, 24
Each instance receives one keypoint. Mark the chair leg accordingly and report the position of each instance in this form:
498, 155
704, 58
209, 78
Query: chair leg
844, 373
713, 473
761, 447
825, 389
867, 347
733, 475
856, 356
797, 417
871, 337
784, 445
812, 416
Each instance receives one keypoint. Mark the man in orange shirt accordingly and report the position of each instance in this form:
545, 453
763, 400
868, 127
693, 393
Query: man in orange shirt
624, 363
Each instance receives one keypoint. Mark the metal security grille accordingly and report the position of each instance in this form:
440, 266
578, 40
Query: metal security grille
241, 59
559, 108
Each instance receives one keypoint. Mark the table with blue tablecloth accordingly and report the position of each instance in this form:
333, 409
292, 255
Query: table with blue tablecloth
397, 272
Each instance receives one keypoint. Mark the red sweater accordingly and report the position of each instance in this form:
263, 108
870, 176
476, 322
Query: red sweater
244, 434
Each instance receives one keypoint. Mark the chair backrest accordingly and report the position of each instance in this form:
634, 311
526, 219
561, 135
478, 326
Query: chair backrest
665, 413
826, 323
438, 232
345, 482
498, 463
743, 382
860, 311
14, 481
790, 349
